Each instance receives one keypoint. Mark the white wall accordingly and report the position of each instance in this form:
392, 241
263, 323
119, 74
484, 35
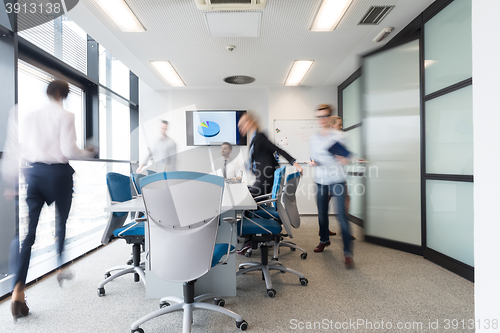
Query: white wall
486, 70
267, 103
154, 107
300, 103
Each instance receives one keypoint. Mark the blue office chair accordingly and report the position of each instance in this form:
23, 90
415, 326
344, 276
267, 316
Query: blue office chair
262, 233
150, 172
136, 177
266, 203
289, 203
291, 219
183, 211
132, 233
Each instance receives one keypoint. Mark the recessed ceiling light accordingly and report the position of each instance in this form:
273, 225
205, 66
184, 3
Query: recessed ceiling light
329, 15
298, 71
122, 15
168, 72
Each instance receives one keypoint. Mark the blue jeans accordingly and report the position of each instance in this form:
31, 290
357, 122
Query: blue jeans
336, 191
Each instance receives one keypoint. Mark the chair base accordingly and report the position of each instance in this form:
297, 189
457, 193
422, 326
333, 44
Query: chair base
188, 305
137, 269
281, 243
292, 247
266, 267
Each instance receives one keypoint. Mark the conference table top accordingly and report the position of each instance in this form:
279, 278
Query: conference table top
235, 197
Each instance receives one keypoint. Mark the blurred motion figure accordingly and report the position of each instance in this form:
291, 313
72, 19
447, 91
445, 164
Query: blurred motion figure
164, 150
47, 140
262, 161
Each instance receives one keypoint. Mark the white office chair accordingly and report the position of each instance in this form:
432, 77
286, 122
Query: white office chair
183, 211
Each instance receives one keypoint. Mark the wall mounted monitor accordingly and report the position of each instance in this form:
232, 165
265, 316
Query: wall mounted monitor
213, 127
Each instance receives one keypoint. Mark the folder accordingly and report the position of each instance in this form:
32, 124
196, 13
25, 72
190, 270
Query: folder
339, 149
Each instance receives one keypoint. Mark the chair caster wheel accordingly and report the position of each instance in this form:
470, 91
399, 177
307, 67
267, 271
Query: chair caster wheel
101, 292
220, 302
139, 330
271, 292
303, 256
242, 325
107, 275
292, 249
274, 259
164, 304
304, 281
248, 254
130, 262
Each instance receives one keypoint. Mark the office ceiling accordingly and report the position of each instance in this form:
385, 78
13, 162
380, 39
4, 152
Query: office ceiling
177, 32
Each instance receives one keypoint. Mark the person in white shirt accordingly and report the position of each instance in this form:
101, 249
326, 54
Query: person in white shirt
330, 180
231, 169
47, 140
164, 151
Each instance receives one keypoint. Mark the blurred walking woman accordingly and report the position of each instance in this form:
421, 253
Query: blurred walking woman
47, 140
330, 181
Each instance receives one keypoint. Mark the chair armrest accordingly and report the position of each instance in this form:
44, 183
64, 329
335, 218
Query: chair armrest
127, 229
270, 216
263, 196
231, 220
260, 203
137, 221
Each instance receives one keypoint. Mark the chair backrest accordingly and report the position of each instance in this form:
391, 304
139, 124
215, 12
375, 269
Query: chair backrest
135, 179
183, 211
279, 180
289, 199
119, 191
119, 188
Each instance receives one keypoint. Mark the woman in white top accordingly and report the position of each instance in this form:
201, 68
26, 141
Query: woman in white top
47, 140
330, 180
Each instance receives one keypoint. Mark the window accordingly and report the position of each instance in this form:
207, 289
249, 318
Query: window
114, 128
448, 46
113, 73
62, 38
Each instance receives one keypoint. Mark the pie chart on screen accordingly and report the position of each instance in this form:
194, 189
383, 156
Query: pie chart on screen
208, 129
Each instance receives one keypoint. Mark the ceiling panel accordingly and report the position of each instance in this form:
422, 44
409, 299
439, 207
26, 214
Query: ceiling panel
177, 32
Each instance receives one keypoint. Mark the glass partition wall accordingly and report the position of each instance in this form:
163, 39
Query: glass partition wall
416, 129
449, 158
349, 96
391, 127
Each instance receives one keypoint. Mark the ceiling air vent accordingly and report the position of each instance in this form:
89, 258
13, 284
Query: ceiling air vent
239, 79
230, 4
375, 15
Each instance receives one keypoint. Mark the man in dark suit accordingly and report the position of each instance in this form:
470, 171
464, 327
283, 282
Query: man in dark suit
262, 160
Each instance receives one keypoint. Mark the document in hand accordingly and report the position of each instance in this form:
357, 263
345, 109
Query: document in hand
339, 149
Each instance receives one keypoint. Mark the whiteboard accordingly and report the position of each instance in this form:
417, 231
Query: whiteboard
293, 135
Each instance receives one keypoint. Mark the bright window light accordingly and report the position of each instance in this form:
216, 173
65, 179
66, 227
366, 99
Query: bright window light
121, 14
168, 72
298, 71
329, 15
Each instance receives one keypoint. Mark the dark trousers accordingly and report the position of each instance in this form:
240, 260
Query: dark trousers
46, 184
262, 185
337, 191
